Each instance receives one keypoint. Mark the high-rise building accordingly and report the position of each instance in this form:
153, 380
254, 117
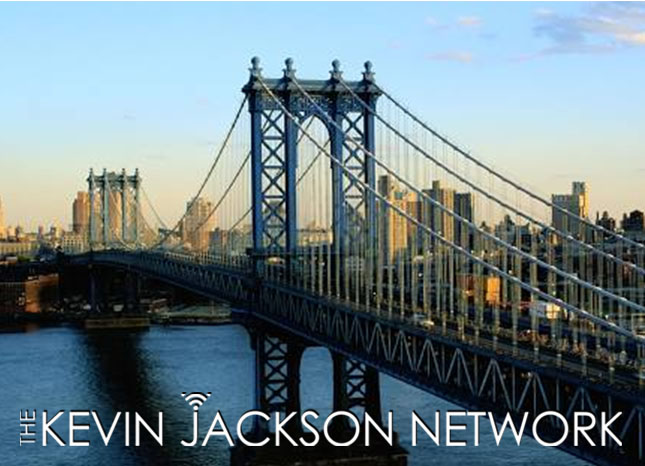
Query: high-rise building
577, 203
607, 222
81, 213
438, 220
464, 207
635, 221
394, 226
197, 224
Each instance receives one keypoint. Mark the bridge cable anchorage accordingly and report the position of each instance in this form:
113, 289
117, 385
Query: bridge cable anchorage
474, 227
506, 179
167, 234
486, 193
580, 312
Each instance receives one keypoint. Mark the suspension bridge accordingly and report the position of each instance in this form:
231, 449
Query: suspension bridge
345, 220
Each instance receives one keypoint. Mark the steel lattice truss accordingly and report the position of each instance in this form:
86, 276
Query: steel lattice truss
274, 170
469, 375
275, 157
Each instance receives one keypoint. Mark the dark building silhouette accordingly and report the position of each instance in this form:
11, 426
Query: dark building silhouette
635, 221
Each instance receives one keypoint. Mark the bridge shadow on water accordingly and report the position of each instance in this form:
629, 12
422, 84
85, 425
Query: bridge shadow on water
125, 376
134, 371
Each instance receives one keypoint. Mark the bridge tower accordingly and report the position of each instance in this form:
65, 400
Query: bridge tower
114, 208
274, 154
274, 160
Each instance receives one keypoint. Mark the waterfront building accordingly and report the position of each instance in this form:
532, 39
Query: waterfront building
30, 294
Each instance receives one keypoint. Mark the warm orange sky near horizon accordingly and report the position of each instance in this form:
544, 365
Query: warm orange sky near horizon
546, 92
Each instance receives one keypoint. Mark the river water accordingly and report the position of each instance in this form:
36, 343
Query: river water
64, 368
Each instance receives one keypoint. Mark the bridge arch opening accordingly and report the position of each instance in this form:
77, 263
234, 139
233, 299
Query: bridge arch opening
317, 385
314, 185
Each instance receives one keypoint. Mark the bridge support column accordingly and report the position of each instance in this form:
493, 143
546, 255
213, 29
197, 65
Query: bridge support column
92, 290
99, 290
356, 386
132, 287
277, 379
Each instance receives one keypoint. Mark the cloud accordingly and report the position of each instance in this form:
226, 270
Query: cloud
436, 25
600, 28
454, 56
431, 21
460, 22
469, 21
543, 12
634, 38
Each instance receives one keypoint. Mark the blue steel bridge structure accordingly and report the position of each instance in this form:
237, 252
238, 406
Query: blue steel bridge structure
347, 221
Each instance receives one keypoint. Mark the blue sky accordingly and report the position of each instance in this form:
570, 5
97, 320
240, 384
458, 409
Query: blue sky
551, 92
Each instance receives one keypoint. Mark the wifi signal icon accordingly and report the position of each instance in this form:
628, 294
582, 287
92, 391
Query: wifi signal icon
196, 399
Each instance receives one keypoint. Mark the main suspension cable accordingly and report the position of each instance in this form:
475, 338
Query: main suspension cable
474, 227
506, 179
167, 234
365, 187
490, 196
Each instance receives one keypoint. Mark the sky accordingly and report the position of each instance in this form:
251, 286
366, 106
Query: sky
549, 92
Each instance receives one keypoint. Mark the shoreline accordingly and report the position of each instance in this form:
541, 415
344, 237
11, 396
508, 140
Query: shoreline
15, 322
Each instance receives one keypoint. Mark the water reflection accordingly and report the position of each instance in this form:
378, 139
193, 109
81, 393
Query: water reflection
66, 368
124, 375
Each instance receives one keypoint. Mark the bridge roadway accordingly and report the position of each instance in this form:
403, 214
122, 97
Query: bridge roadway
474, 372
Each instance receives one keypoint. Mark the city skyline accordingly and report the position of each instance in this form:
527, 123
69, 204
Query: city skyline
161, 102
361, 210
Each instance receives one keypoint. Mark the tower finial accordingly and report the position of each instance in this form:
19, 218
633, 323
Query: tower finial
368, 74
255, 69
289, 70
335, 72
